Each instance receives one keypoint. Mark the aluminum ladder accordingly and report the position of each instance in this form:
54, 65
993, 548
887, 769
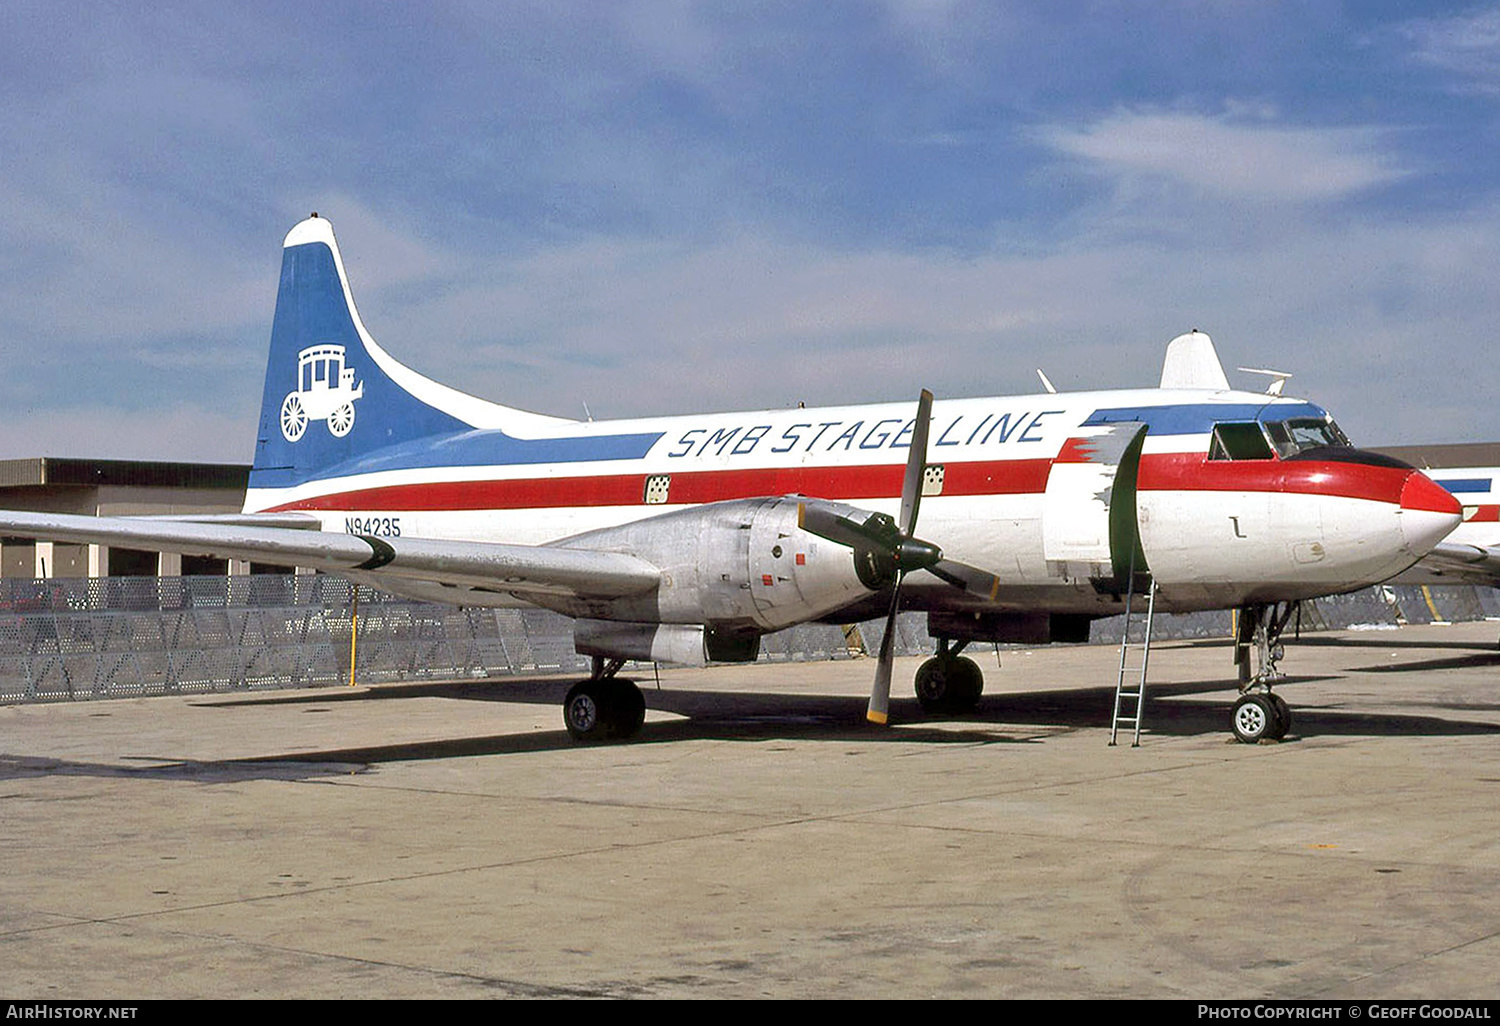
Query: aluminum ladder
1130, 686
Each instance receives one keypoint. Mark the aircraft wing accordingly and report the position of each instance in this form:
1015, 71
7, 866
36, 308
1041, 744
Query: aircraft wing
518, 569
1456, 562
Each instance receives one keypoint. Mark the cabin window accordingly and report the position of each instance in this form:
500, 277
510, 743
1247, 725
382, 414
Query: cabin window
1239, 442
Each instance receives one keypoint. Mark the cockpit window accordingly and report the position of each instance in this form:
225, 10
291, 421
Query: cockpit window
1293, 436
1239, 442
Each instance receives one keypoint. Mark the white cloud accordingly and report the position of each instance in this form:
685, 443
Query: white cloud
1227, 158
1376, 319
1467, 44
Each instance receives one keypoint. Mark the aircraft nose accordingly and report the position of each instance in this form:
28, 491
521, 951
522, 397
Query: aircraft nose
1428, 513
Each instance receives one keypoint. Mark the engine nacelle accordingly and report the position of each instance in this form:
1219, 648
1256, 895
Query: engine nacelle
742, 566
686, 644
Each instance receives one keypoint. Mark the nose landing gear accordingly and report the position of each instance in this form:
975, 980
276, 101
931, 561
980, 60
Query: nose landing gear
1260, 714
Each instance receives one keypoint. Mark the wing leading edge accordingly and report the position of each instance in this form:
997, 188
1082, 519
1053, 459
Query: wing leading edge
521, 570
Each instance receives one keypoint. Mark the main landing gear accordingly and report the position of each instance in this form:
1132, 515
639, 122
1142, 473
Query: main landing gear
604, 707
949, 682
1260, 714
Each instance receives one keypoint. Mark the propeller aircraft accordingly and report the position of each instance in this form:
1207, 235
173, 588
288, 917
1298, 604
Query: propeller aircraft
687, 538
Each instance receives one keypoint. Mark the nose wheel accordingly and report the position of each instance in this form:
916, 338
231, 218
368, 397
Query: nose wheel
1262, 716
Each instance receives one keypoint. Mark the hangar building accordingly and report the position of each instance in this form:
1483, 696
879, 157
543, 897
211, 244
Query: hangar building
116, 487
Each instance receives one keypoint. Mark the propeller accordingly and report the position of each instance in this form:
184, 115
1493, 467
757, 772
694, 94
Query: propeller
911, 554
887, 549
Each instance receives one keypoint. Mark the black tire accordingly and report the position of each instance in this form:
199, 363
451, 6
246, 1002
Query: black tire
604, 710
1283, 715
628, 709
932, 685
1253, 719
586, 712
965, 684
949, 685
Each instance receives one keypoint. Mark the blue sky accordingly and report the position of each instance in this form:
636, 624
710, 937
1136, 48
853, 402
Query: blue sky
666, 206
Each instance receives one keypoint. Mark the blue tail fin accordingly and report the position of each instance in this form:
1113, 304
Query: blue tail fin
330, 395
336, 405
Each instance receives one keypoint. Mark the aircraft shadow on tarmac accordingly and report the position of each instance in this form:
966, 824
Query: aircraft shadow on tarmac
1002, 718
1390, 640
1172, 710
19, 767
1485, 654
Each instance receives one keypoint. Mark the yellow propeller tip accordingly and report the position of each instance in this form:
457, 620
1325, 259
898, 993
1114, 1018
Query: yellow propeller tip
876, 717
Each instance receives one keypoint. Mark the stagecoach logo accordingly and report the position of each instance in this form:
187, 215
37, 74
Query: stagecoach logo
325, 391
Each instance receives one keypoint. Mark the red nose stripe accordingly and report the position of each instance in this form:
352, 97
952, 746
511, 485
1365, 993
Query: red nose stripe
1421, 492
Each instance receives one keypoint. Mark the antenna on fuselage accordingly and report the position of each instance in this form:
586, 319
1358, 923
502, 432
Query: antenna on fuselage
1278, 378
1045, 383
587, 415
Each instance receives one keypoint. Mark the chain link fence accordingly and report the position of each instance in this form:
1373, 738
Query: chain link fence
70, 639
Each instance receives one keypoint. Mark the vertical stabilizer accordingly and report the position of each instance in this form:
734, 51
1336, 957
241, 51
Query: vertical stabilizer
331, 394
1192, 362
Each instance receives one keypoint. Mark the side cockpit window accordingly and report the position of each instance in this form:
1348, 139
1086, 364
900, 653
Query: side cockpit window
1239, 442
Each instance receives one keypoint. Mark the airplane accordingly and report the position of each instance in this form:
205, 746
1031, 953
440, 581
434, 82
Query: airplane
685, 539
1470, 553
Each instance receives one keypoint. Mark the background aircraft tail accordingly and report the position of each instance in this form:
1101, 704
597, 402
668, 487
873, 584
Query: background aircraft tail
332, 395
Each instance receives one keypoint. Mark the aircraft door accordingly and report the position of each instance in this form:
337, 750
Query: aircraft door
1090, 528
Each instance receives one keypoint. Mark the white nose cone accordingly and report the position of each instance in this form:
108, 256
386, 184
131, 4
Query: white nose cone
1192, 362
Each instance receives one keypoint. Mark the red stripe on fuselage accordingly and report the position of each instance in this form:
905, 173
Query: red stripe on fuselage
1188, 472
998, 477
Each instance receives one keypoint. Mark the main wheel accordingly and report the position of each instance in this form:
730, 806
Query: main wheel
584, 712
628, 709
965, 684
293, 417
932, 685
604, 710
949, 685
1253, 719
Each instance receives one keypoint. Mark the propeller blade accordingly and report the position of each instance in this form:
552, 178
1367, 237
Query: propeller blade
887, 550
878, 710
916, 466
910, 552
847, 525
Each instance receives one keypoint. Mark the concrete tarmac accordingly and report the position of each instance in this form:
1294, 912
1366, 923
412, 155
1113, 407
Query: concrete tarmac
758, 840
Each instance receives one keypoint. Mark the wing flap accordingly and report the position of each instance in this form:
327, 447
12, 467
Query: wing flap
520, 569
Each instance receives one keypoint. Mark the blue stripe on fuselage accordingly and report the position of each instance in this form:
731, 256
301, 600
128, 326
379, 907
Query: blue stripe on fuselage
1200, 418
484, 448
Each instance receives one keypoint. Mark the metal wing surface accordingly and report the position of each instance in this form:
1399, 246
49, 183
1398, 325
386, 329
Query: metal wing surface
1456, 562
517, 569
